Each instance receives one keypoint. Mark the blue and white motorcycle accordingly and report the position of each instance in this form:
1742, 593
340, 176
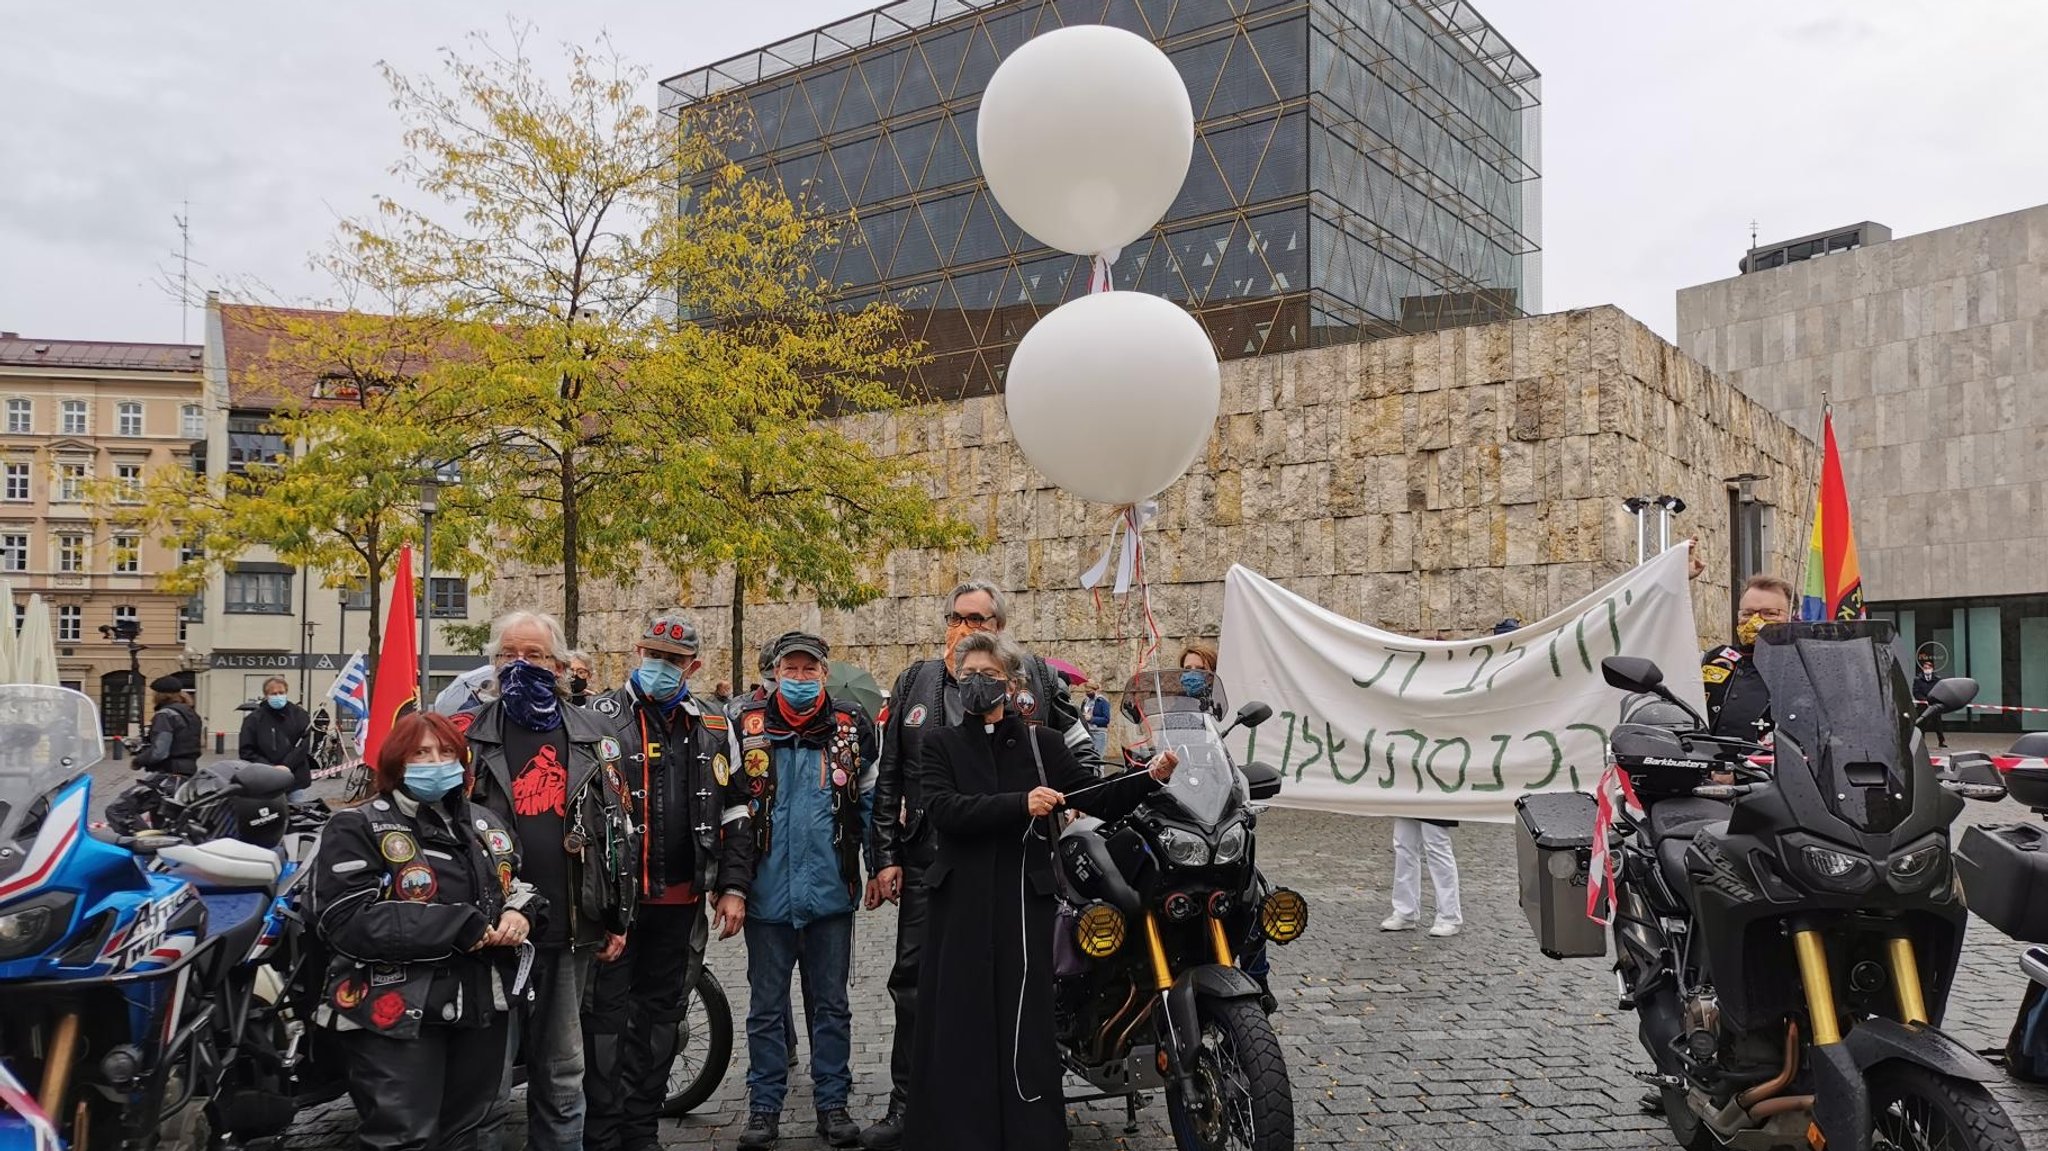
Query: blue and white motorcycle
129, 965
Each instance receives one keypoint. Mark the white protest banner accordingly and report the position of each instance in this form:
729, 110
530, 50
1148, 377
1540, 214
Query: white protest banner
1366, 722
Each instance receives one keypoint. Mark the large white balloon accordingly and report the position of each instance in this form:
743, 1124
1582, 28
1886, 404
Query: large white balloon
1113, 395
1085, 135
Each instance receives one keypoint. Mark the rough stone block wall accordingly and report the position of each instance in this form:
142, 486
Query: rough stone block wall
1424, 484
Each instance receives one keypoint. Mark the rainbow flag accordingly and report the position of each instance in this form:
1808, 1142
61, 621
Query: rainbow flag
1834, 583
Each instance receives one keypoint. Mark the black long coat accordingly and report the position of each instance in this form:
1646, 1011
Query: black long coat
985, 1069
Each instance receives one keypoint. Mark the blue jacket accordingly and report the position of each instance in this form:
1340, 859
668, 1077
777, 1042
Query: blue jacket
798, 881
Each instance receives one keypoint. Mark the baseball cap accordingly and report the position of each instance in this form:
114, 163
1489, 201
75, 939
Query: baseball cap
790, 642
672, 634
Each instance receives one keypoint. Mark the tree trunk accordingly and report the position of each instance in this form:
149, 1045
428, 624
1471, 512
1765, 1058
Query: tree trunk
376, 644
739, 628
572, 592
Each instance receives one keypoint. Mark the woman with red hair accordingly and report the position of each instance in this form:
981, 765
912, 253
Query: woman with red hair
417, 893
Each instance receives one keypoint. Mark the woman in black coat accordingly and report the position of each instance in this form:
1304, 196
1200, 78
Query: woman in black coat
985, 1068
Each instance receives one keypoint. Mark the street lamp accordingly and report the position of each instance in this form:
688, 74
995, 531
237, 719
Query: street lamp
430, 503
129, 630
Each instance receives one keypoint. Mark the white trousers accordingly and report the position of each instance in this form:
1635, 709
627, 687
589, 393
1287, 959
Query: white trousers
1413, 839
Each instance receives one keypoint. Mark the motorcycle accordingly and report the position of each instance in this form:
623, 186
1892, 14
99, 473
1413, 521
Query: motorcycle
127, 961
1786, 917
1162, 907
2004, 868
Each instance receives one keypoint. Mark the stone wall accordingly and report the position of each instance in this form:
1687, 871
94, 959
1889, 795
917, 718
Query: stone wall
1934, 351
1429, 483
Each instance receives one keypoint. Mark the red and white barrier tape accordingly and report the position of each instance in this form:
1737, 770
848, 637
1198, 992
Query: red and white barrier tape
2002, 707
1602, 878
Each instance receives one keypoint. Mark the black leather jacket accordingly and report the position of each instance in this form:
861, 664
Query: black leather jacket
685, 793
1738, 703
926, 697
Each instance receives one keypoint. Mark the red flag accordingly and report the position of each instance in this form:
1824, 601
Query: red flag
394, 690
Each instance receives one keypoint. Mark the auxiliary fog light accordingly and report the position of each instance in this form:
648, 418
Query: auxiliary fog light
1283, 915
1099, 930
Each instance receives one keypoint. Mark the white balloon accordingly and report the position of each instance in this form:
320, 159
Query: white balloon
1084, 136
1113, 395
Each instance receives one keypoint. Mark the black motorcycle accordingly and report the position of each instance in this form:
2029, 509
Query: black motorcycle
1165, 908
2004, 867
1786, 917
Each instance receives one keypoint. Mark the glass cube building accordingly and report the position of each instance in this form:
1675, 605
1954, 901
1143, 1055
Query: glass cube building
1362, 168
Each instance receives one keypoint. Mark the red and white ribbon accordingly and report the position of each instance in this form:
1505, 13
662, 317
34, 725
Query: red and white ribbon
1130, 523
1099, 271
1612, 781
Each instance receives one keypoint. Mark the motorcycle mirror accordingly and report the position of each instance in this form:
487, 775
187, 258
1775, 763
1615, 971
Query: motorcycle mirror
1250, 715
1632, 674
1262, 780
1953, 694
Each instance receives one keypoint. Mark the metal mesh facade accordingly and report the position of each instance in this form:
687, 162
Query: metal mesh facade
1362, 168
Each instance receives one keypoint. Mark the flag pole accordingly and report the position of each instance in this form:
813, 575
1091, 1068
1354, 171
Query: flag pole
1820, 440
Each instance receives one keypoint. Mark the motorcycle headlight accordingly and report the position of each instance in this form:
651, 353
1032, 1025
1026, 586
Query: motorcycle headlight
1919, 866
1837, 869
1231, 844
1183, 848
34, 924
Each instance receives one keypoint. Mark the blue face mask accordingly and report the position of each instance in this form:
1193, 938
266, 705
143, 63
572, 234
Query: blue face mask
528, 690
428, 782
1195, 683
801, 694
660, 679
276, 701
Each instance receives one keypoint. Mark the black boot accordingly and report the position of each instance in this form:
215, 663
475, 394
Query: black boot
764, 1128
887, 1133
838, 1128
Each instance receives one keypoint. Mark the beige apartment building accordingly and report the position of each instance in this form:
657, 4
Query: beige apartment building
72, 413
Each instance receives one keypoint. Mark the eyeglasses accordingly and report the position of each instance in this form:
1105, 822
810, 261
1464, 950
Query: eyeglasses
971, 619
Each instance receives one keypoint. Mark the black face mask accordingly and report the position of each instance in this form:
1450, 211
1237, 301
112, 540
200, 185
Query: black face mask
578, 685
979, 695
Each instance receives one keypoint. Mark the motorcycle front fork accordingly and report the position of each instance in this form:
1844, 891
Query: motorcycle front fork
1819, 985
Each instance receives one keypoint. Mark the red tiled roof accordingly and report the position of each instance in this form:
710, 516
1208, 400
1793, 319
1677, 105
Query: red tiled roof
28, 352
261, 371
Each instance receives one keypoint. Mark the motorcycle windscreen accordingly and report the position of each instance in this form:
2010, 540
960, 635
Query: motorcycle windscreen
1206, 782
48, 737
1839, 694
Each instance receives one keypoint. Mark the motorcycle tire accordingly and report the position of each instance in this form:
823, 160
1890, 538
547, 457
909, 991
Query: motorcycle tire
1687, 1128
1912, 1106
693, 1077
1239, 1052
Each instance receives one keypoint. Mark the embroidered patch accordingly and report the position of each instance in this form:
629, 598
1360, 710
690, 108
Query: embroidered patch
462, 720
756, 762
505, 875
381, 805
754, 724
714, 721
756, 786
915, 717
349, 866
615, 781
417, 883
608, 748
349, 993
721, 769
386, 974
397, 847
387, 1010
1714, 673
483, 824
606, 706
500, 840
1027, 703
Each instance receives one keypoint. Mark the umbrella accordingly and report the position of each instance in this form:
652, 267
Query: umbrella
35, 656
7, 632
1067, 671
846, 681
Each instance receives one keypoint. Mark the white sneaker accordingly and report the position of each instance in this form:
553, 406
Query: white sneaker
1443, 930
1397, 923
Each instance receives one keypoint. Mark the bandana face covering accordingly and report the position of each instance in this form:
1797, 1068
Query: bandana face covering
528, 690
954, 634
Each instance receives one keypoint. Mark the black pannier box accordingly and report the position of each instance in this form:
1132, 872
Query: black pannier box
1554, 853
2004, 868
2029, 785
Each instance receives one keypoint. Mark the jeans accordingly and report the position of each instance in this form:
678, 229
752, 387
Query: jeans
1100, 736
550, 1040
825, 948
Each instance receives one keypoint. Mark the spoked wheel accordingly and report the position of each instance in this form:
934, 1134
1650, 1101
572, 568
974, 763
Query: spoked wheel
1914, 1109
355, 786
1241, 1098
703, 1047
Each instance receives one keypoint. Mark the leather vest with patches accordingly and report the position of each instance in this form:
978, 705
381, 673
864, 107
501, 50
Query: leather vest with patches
842, 758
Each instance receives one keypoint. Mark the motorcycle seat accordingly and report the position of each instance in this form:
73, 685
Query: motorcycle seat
236, 917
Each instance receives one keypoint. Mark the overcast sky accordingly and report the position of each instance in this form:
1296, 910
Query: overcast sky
1668, 126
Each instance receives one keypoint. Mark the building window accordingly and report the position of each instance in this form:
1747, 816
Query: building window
126, 613
127, 557
451, 597
17, 483
70, 553
192, 422
128, 418
20, 615
251, 440
259, 593
74, 418
190, 612
128, 483
187, 553
14, 554
70, 623
71, 480
20, 416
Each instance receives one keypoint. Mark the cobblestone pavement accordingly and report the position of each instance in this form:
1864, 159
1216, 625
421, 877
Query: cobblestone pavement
1394, 1040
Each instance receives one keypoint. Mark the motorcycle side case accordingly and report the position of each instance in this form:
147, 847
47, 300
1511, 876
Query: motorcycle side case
1554, 854
2004, 868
